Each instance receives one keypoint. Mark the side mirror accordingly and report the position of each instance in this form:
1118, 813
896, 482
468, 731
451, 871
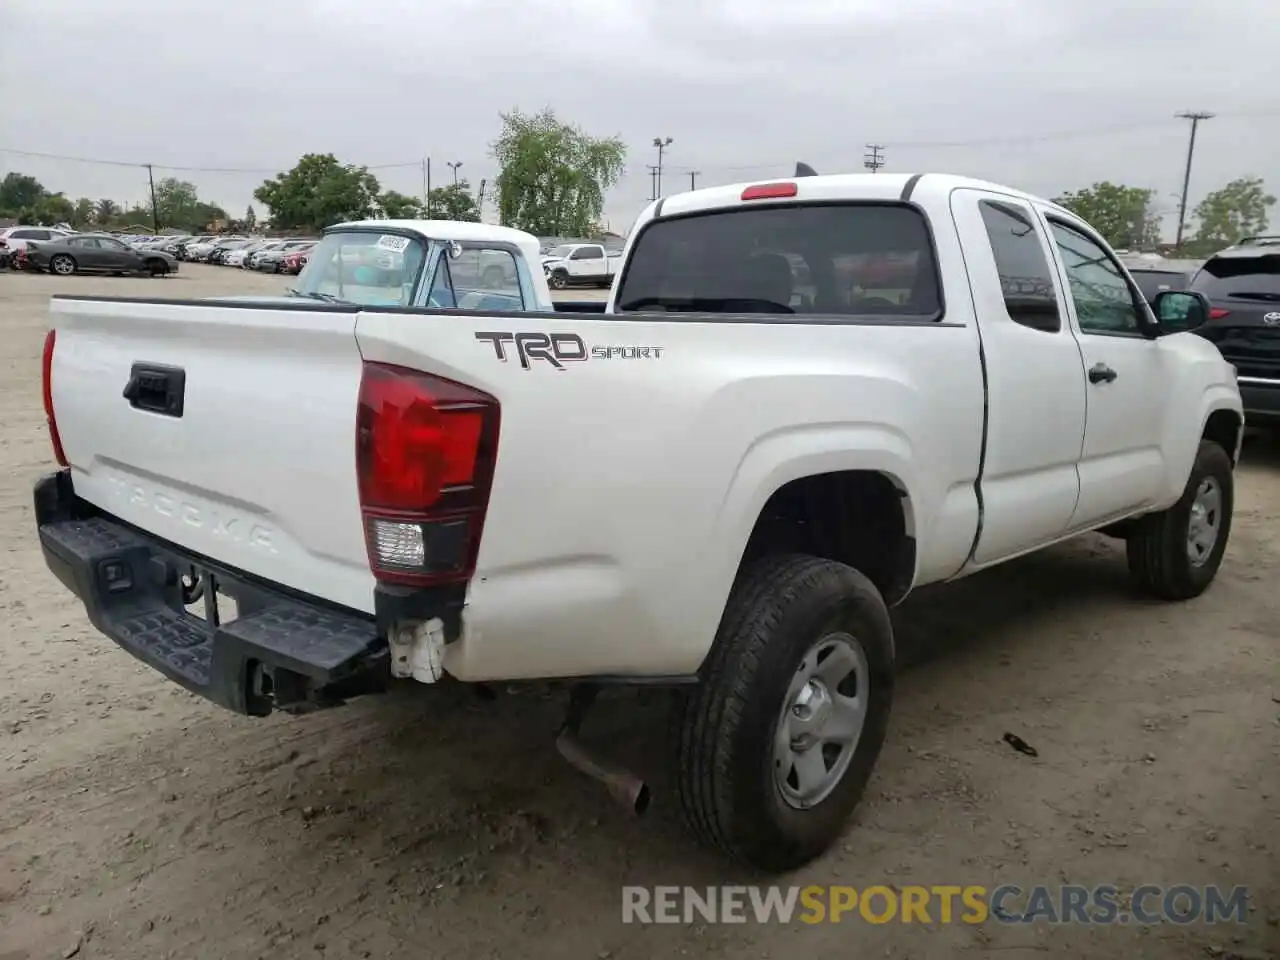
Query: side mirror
1180, 310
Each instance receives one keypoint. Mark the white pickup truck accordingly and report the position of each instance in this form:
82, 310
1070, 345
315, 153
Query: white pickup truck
581, 264
802, 400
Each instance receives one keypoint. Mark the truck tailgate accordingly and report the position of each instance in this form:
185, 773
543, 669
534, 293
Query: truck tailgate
256, 468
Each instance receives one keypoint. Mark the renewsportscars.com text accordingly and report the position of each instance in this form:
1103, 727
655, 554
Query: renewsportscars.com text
941, 904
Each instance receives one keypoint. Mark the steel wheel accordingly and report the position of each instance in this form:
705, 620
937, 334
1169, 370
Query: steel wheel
1205, 521
821, 721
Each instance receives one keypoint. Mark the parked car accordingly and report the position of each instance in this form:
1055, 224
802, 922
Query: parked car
97, 253
295, 261
223, 245
16, 238
800, 472
1242, 284
1153, 281
272, 261
235, 256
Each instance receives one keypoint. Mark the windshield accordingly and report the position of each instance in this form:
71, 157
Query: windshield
561, 251
362, 267
858, 259
1240, 278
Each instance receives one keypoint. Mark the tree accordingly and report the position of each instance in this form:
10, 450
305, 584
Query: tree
178, 204
553, 175
105, 211
398, 206
250, 218
83, 215
1225, 216
454, 202
319, 191
1123, 215
18, 193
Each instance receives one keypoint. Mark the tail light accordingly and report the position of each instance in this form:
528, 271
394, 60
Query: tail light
425, 453
770, 191
46, 383
1217, 313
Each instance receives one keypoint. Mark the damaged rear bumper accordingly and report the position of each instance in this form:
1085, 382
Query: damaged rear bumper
280, 651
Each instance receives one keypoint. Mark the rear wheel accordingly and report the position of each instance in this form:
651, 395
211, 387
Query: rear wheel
1175, 554
773, 750
492, 278
64, 265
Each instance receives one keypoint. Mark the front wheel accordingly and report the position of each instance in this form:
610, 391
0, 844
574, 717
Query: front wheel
1175, 554
157, 268
772, 751
63, 265
559, 280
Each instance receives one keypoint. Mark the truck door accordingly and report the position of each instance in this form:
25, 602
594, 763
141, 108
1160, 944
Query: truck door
587, 263
1122, 464
1034, 376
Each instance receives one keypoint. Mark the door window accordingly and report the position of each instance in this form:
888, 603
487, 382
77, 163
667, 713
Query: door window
485, 278
1025, 278
586, 253
1103, 299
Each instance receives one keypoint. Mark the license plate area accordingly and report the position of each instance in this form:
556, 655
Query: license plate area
203, 598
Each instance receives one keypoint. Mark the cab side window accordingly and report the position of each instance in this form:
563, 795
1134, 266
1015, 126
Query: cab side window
441, 295
1025, 278
1103, 298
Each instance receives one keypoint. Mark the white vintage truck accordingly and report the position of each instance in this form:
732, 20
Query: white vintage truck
802, 400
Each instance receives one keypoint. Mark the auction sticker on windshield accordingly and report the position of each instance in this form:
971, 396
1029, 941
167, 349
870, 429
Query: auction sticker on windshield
391, 242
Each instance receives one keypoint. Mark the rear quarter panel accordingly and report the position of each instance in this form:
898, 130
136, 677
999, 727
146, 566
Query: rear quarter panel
627, 484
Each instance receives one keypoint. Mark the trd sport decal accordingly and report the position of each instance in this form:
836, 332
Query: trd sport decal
559, 349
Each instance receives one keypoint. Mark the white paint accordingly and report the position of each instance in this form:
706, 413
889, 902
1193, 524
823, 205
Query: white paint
626, 487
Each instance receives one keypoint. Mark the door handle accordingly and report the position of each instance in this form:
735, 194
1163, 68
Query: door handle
1101, 373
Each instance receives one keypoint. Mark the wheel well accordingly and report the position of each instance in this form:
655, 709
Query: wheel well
1223, 428
856, 517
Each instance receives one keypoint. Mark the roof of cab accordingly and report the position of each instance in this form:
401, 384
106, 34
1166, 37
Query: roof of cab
449, 230
871, 186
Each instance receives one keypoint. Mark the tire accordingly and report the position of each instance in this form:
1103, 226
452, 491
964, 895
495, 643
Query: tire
1160, 546
63, 264
723, 733
157, 268
492, 278
558, 280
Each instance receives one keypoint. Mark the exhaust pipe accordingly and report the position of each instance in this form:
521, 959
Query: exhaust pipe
623, 785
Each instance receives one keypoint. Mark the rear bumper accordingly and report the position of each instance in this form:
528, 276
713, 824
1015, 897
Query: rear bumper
281, 651
1261, 399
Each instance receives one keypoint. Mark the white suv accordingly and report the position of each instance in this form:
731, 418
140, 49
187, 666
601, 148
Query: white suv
15, 238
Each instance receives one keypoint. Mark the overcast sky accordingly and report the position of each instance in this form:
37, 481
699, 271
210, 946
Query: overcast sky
1046, 95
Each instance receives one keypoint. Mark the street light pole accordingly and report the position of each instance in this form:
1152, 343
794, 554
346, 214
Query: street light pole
454, 167
662, 145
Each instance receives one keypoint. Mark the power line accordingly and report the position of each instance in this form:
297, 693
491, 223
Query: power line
873, 160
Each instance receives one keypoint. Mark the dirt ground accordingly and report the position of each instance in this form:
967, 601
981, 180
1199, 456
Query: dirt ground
139, 822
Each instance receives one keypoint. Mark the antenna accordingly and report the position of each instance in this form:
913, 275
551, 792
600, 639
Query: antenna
804, 170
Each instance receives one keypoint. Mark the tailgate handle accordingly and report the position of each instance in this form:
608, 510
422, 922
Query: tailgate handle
157, 389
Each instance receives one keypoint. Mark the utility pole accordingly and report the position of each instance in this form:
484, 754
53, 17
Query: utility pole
874, 158
653, 182
155, 210
693, 179
426, 186
1195, 119
662, 145
480, 201
454, 165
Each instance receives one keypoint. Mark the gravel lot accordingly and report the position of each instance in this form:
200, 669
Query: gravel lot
137, 821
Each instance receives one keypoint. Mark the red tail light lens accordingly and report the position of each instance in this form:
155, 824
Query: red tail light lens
425, 452
46, 385
769, 191
1217, 313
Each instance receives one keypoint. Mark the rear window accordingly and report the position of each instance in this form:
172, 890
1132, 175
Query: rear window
1240, 278
854, 259
1152, 282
